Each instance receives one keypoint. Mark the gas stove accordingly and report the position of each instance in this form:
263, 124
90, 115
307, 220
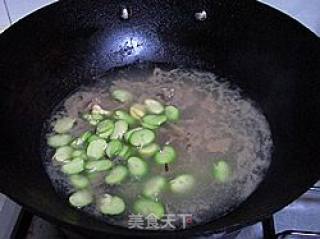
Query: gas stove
299, 220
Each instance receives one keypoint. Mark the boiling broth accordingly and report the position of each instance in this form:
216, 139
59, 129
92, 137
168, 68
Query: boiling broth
216, 123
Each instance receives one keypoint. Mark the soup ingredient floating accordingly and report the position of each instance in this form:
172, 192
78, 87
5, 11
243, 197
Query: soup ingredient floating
148, 207
160, 144
221, 171
155, 186
81, 198
121, 143
112, 205
182, 184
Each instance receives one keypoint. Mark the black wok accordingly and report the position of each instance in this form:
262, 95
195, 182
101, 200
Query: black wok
272, 58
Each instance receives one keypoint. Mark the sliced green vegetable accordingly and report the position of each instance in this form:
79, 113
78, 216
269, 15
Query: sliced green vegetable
78, 158
86, 135
92, 176
98, 166
128, 134
79, 181
182, 184
73, 167
154, 186
146, 207
93, 138
166, 155
137, 111
80, 142
97, 110
149, 151
141, 138
77, 143
114, 148
117, 175
137, 166
154, 106
105, 128
96, 149
105, 135
124, 151
111, 205
221, 171
132, 151
120, 128
122, 115
63, 125
149, 126
59, 140
79, 154
122, 95
63, 154
172, 113
81, 198
156, 120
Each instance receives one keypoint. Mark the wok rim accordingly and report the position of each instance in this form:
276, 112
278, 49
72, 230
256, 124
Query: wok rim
192, 231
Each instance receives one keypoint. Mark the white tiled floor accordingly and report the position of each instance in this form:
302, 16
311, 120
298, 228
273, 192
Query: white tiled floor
305, 11
4, 21
21, 8
18, 9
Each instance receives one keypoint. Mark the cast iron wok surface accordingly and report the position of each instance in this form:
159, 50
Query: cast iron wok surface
272, 58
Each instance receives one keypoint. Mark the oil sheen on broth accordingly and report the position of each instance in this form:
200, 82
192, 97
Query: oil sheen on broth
216, 123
